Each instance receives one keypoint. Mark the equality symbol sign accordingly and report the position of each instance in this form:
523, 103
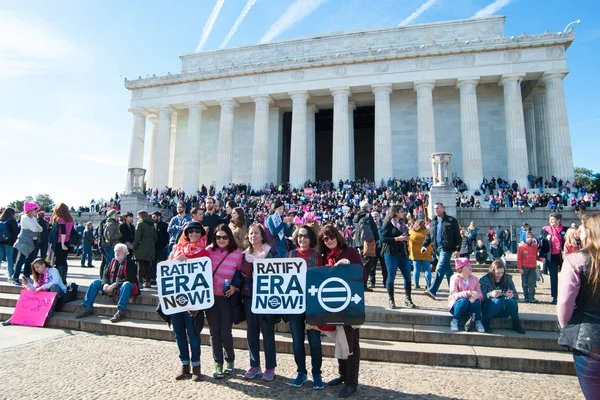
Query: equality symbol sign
185, 285
335, 295
279, 286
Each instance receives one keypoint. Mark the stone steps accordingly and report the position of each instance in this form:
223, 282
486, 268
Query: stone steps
524, 360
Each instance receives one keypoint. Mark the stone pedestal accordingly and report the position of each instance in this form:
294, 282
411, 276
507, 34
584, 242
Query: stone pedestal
442, 190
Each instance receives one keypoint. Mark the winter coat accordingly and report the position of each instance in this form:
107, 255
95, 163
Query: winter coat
88, 236
389, 233
458, 289
111, 233
450, 234
481, 254
414, 246
527, 255
487, 286
365, 229
13, 229
24, 243
144, 240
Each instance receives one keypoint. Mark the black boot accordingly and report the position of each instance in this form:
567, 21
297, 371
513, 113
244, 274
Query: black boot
196, 375
517, 327
391, 299
184, 373
408, 303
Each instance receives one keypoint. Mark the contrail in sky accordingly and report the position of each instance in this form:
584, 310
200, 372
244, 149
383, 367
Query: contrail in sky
237, 22
417, 12
491, 9
209, 24
294, 14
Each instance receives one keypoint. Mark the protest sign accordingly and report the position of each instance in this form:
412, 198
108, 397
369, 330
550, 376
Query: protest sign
32, 308
185, 285
335, 295
308, 191
279, 286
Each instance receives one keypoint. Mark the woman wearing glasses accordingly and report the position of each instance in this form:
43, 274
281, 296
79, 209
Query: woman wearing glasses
226, 260
305, 240
337, 253
187, 325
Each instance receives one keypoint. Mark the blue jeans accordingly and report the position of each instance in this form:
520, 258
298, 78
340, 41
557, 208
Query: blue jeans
443, 268
7, 251
588, 373
464, 308
96, 286
393, 262
297, 328
183, 328
501, 307
422, 265
254, 325
24, 263
87, 252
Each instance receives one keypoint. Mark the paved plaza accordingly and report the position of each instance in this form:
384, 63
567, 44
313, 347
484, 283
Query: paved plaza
40, 363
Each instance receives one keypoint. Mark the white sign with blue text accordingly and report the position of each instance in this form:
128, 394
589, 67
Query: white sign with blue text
185, 285
279, 286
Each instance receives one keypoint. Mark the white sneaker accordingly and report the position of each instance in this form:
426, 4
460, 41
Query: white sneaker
479, 327
454, 325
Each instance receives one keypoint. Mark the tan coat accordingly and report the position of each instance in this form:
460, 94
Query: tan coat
239, 235
414, 246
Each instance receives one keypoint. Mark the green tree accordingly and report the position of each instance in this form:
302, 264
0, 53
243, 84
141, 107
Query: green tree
588, 178
45, 202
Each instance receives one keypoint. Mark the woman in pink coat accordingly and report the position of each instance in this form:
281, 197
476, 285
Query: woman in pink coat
465, 297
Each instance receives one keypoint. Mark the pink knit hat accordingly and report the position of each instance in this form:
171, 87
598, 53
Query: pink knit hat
309, 216
461, 263
298, 221
30, 206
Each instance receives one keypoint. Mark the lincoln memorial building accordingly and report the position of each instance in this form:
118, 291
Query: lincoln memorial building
367, 104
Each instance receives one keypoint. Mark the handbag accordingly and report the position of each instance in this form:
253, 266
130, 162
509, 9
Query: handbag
369, 248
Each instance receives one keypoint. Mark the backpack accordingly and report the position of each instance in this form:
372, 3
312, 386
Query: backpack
4, 232
74, 237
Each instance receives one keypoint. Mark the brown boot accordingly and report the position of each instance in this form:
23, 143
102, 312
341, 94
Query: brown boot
196, 375
184, 373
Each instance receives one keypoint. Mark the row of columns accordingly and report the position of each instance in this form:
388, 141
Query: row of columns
537, 135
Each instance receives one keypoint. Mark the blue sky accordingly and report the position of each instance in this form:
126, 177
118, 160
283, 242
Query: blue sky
64, 120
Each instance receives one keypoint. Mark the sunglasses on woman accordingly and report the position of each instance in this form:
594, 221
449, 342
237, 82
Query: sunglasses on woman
302, 235
328, 238
221, 237
198, 231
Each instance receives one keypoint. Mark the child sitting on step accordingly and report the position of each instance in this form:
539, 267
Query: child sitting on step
465, 297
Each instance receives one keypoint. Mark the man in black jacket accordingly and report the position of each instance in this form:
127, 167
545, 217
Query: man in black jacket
161, 245
444, 235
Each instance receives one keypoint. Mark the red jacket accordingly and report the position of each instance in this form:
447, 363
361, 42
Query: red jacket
527, 255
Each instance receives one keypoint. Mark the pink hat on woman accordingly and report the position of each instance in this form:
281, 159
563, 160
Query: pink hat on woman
30, 206
461, 263
298, 221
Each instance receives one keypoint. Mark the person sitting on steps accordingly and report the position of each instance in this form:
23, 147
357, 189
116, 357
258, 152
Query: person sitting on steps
465, 297
499, 297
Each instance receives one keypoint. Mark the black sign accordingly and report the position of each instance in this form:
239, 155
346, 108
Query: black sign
335, 295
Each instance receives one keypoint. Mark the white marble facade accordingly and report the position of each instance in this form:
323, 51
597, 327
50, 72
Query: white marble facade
457, 87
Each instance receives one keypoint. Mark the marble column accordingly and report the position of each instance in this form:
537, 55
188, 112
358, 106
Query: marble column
260, 146
191, 168
538, 95
529, 114
162, 149
136, 147
299, 141
341, 135
514, 121
383, 133
150, 174
351, 156
225, 146
311, 110
561, 155
425, 125
472, 166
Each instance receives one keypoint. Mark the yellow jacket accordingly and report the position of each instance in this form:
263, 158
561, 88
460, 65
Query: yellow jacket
414, 246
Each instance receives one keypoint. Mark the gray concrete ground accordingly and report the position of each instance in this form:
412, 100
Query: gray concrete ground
39, 363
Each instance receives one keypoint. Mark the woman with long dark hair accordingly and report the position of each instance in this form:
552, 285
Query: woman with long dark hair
8, 239
226, 260
64, 224
578, 306
238, 227
333, 246
395, 237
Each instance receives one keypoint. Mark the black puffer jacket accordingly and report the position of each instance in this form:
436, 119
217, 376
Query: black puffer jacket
451, 239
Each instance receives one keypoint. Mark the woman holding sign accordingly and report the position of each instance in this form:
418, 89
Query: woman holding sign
337, 253
257, 250
305, 240
226, 260
187, 325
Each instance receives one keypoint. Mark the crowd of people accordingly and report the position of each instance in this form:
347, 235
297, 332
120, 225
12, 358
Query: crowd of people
351, 223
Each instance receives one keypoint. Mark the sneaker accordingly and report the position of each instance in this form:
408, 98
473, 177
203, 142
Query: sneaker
17, 282
553, 302
470, 323
430, 295
252, 373
268, 375
6, 323
300, 380
229, 368
318, 382
533, 301
454, 325
117, 317
84, 313
479, 327
218, 371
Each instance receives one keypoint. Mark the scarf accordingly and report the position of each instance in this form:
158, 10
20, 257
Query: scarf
118, 270
189, 249
43, 278
257, 255
332, 255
